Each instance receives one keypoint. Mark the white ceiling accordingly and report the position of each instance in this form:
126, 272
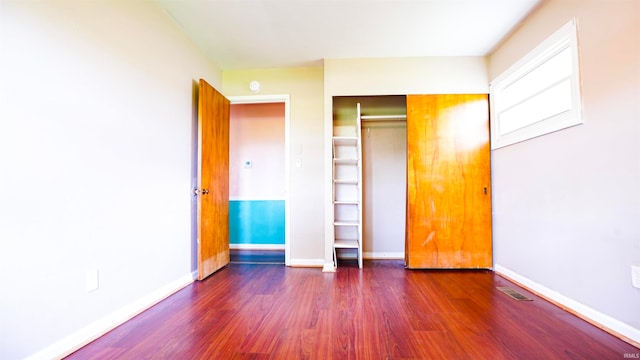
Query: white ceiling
252, 34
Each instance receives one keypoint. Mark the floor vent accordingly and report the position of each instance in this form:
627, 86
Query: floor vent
513, 294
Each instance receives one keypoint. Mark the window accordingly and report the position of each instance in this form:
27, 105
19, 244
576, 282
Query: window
540, 93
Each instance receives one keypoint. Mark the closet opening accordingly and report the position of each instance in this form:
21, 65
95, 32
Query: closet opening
383, 159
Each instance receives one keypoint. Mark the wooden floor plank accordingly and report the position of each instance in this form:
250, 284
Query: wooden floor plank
383, 311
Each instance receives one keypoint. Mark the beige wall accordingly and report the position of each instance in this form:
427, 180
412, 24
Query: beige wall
96, 136
305, 88
566, 205
401, 76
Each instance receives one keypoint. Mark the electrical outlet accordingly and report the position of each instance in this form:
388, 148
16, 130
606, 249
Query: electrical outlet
635, 276
91, 280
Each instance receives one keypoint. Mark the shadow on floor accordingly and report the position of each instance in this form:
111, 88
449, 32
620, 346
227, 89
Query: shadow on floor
257, 256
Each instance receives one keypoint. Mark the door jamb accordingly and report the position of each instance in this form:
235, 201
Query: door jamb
283, 98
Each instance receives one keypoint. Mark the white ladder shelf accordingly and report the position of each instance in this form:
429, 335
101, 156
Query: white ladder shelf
347, 191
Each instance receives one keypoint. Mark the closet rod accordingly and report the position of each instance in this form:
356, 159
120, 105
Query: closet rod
383, 117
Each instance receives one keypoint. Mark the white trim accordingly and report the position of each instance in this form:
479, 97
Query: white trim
591, 314
307, 263
258, 99
565, 38
328, 267
278, 98
329, 229
256, 246
89, 333
383, 255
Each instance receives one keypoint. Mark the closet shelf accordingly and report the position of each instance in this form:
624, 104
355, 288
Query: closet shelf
345, 140
346, 244
346, 181
346, 223
345, 161
346, 202
383, 117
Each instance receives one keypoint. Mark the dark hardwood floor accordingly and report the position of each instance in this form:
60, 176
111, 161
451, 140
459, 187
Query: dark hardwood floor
248, 311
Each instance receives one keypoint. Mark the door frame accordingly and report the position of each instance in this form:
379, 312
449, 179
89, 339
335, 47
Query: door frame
282, 98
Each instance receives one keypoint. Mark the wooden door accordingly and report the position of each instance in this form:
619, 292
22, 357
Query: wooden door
213, 198
448, 182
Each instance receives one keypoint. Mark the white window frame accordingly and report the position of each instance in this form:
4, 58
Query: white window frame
565, 38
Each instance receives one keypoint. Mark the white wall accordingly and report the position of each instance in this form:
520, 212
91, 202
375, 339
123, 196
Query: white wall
567, 205
391, 76
96, 130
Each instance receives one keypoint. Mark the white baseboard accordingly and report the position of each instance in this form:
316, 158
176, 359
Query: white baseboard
383, 255
93, 331
307, 263
605, 322
256, 246
328, 267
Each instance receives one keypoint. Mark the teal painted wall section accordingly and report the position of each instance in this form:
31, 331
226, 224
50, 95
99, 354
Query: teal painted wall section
256, 222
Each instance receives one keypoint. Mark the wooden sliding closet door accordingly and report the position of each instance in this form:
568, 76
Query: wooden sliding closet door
213, 198
448, 182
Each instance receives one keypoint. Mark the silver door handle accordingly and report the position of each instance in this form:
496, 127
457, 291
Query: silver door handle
196, 192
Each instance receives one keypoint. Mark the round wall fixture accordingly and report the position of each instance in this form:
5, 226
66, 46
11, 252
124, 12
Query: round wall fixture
254, 86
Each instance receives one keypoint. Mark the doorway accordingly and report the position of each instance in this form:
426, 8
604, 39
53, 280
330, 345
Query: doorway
259, 179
